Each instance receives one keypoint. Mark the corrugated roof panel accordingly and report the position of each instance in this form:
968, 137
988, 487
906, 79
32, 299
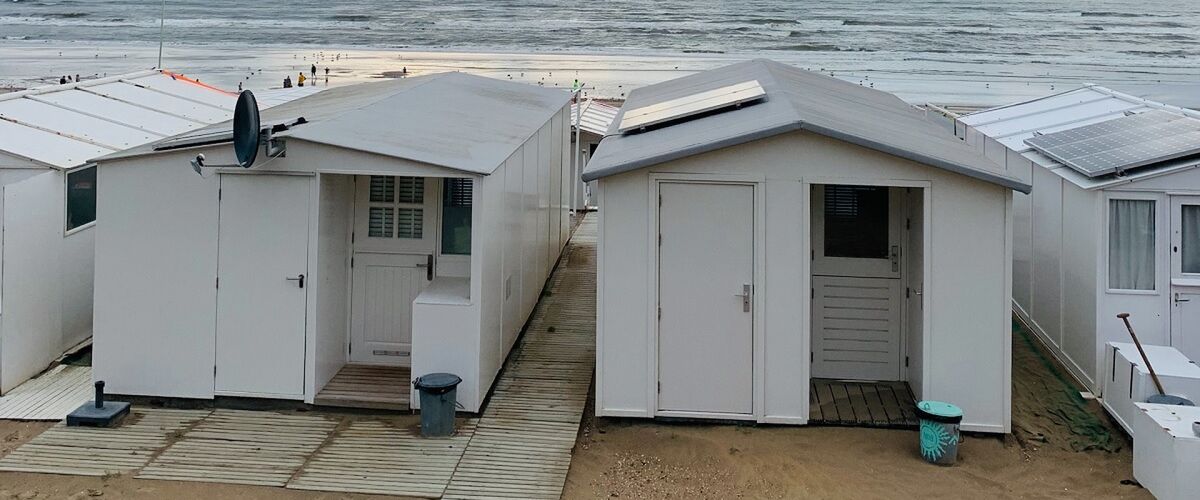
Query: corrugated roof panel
156, 122
72, 124
155, 100
188, 90
1058, 118
46, 147
597, 116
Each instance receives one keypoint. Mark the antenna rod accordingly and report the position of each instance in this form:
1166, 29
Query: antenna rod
162, 20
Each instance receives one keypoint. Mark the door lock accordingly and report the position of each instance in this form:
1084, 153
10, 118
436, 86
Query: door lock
747, 292
895, 257
299, 279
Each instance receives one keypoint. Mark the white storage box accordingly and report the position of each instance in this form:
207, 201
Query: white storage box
1166, 452
1126, 380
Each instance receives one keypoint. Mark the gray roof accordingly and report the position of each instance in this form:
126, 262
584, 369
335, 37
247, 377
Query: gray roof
452, 120
1012, 124
796, 100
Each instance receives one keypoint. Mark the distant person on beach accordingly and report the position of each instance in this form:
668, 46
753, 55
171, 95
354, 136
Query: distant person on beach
314, 70
62, 80
301, 79
327, 75
76, 78
287, 82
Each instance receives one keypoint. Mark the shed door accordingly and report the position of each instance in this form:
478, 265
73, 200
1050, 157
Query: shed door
262, 253
857, 294
706, 271
394, 245
1185, 275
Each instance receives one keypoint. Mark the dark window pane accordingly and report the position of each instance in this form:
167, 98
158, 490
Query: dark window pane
456, 217
81, 197
856, 222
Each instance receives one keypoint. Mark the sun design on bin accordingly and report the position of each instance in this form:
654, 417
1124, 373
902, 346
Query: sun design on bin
934, 440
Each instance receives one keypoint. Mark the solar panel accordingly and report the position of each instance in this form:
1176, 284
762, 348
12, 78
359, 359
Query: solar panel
683, 107
1123, 143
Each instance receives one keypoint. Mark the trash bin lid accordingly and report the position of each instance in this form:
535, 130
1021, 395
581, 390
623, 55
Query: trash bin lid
938, 411
437, 383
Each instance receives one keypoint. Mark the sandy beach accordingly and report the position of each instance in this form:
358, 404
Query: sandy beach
604, 74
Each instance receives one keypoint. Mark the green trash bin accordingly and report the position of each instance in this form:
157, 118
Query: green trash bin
439, 393
939, 431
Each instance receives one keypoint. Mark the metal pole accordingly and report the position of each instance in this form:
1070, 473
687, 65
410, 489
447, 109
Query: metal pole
577, 172
162, 20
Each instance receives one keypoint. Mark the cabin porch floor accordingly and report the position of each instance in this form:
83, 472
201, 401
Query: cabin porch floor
862, 404
368, 387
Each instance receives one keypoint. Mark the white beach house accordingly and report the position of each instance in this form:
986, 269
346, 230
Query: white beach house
763, 229
409, 225
48, 208
1113, 227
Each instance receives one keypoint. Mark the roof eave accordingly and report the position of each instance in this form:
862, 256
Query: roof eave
691, 151
1001, 180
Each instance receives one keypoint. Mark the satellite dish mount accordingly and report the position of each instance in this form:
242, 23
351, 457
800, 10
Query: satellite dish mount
248, 136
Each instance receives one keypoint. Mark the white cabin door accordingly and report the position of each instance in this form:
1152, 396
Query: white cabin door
262, 267
394, 247
706, 283
857, 234
1185, 275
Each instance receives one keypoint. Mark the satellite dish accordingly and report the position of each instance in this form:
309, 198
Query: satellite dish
246, 129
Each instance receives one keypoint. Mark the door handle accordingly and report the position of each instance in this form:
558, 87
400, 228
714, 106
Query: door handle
299, 279
1178, 300
747, 292
428, 265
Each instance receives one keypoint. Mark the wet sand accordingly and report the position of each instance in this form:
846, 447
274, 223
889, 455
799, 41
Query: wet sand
604, 74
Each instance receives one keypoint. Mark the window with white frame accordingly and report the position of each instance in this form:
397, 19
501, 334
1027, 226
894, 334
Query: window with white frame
395, 207
456, 216
81, 197
1131, 259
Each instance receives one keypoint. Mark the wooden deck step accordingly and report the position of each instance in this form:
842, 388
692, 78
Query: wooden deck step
367, 386
862, 404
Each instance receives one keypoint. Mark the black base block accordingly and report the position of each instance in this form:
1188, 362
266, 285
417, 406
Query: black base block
106, 416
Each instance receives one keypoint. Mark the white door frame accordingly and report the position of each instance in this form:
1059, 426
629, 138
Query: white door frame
757, 182
928, 284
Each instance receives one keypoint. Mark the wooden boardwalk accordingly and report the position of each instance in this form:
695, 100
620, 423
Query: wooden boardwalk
88, 451
861, 404
50, 396
522, 445
365, 386
374, 456
242, 447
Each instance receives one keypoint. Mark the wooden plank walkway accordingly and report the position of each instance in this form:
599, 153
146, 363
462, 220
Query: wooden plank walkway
50, 396
365, 386
523, 442
90, 451
242, 447
862, 404
374, 456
